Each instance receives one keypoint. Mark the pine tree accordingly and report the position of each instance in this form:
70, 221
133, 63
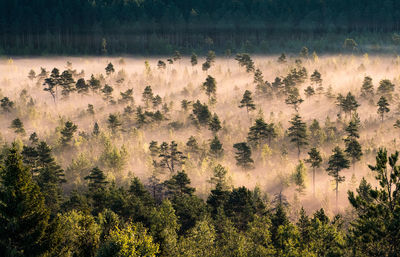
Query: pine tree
260, 132
220, 193
193, 59
383, 107
107, 91
299, 177
31, 75
309, 91
315, 160
67, 133
245, 60
210, 87
374, 232
216, 149
258, 77
23, 214
386, 89
94, 84
298, 133
179, 185
52, 83
177, 56
97, 185
243, 156
81, 86
161, 65
337, 162
247, 101
18, 126
171, 157
353, 147
294, 99
49, 176
214, 125
147, 96
96, 129
33, 138
202, 113
367, 88
114, 123
109, 69
67, 83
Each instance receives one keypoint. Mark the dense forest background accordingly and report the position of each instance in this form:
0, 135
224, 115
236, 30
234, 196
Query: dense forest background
161, 26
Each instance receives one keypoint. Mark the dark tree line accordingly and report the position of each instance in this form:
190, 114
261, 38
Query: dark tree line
107, 27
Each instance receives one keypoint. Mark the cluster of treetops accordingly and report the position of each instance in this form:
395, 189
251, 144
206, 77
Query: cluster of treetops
261, 133
158, 27
89, 16
166, 218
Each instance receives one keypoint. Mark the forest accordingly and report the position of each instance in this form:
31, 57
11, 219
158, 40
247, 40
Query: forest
200, 155
159, 27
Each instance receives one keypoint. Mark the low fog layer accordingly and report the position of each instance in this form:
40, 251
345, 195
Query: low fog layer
126, 153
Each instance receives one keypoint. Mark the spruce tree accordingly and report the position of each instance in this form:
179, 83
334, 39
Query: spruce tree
298, 133
337, 162
23, 214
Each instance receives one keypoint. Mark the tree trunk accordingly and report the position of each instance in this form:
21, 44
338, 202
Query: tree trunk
313, 178
337, 194
298, 152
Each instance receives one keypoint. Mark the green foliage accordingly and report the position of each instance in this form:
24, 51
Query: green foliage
298, 133
201, 113
243, 156
18, 126
80, 234
261, 132
67, 133
337, 162
216, 148
214, 124
245, 60
23, 214
299, 177
210, 87
383, 107
130, 241
385, 88
375, 229
247, 101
